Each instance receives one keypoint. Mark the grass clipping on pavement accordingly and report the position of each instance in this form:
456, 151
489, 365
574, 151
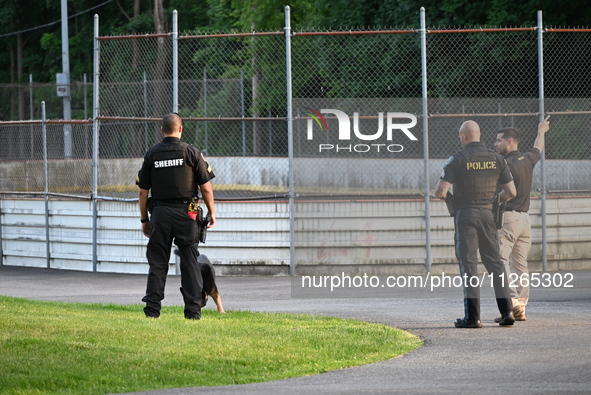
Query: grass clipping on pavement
69, 348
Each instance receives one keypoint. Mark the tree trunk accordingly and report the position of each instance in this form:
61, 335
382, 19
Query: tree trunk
19, 76
257, 138
134, 47
137, 145
257, 141
13, 101
160, 75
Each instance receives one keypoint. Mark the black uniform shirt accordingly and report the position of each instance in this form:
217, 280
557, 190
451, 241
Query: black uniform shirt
522, 168
475, 180
163, 175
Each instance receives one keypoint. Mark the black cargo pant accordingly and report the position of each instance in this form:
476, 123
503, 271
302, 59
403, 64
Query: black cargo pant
169, 223
475, 230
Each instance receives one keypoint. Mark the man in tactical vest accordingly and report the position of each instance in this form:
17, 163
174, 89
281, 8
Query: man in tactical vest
175, 172
474, 173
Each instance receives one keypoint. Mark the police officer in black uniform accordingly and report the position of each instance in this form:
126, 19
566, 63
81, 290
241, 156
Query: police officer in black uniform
174, 172
474, 173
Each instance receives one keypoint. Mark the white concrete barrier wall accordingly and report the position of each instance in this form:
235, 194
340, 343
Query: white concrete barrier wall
252, 238
401, 174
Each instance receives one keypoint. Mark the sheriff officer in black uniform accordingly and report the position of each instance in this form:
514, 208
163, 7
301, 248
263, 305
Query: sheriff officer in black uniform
174, 171
474, 173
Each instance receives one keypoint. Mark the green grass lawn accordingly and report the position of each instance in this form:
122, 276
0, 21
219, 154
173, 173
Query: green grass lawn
73, 348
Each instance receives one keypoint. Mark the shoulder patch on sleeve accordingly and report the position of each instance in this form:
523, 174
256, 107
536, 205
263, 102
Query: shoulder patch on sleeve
448, 161
205, 160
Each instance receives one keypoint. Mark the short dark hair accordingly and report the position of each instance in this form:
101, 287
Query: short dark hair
171, 122
510, 133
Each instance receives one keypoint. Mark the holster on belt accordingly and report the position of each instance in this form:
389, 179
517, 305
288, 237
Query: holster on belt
203, 226
196, 212
449, 202
498, 210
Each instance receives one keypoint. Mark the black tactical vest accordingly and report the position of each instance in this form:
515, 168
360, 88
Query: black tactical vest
476, 183
172, 173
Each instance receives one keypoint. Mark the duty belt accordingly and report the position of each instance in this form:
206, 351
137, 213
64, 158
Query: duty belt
172, 202
470, 205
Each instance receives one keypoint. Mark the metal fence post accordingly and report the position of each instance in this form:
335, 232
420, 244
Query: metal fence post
270, 127
67, 99
85, 98
289, 139
45, 184
32, 114
145, 85
425, 140
175, 61
31, 96
85, 116
205, 107
95, 143
540, 119
242, 111
1, 250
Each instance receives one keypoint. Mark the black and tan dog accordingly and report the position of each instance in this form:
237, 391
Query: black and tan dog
209, 286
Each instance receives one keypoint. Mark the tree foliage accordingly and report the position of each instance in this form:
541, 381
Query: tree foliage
41, 47
335, 67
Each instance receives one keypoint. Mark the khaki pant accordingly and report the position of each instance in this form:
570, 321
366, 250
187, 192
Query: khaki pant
515, 243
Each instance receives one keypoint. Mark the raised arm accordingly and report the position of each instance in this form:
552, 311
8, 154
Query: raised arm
543, 127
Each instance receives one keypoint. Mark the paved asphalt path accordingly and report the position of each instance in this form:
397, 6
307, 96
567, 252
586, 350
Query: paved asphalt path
548, 353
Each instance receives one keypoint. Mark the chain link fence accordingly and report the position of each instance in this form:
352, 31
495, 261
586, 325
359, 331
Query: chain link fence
30, 166
352, 83
23, 101
359, 115
135, 76
504, 89
231, 91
